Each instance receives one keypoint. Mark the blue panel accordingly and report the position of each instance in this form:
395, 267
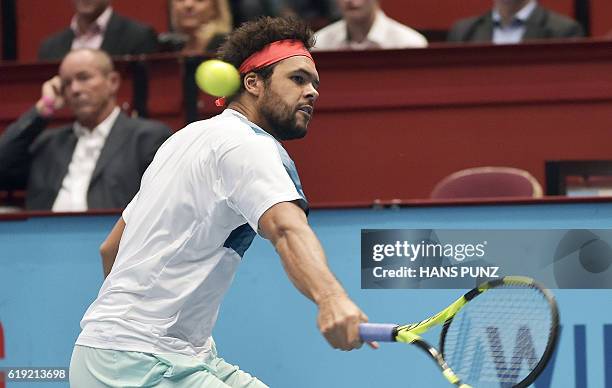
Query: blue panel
50, 272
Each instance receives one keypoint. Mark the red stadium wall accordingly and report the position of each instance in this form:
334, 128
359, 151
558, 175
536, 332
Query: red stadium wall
601, 17
391, 124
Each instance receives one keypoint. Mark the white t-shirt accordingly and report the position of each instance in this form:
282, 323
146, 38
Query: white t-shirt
186, 230
385, 33
72, 196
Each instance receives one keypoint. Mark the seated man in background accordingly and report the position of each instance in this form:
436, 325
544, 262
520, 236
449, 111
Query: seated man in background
95, 163
365, 26
95, 25
197, 26
316, 13
514, 21
247, 10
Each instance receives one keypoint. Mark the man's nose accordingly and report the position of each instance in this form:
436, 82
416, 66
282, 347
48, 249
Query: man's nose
75, 88
312, 93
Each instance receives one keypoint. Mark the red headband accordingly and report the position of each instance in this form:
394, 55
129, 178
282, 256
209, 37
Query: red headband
270, 54
274, 52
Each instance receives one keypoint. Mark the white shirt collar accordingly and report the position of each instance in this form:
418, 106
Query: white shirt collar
522, 15
255, 127
235, 113
103, 129
99, 25
377, 33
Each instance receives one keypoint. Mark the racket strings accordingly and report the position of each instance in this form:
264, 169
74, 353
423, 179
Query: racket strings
498, 338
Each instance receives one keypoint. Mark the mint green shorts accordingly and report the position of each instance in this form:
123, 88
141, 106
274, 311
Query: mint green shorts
103, 368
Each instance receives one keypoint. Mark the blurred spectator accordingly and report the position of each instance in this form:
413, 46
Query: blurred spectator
95, 25
365, 26
514, 21
98, 161
245, 10
197, 26
317, 13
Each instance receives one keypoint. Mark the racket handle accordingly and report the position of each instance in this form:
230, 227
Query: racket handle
383, 332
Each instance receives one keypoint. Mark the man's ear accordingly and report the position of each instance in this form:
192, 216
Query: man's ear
115, 81
253, 84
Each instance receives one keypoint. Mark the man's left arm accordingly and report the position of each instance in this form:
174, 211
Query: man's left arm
110, 246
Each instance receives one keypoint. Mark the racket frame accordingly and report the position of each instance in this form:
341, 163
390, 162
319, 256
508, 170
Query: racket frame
410, 333
553, 338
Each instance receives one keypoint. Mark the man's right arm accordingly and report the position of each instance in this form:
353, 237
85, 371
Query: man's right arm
15, 142
285, 225
15, 155
110, 246
254, 179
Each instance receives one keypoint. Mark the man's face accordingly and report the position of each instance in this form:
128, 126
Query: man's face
357, 10
287, 103
191, 14
86, 87
90, 8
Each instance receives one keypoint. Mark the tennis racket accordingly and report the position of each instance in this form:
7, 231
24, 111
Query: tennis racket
500, 334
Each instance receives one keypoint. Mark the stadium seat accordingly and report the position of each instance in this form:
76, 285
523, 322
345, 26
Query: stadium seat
487, 182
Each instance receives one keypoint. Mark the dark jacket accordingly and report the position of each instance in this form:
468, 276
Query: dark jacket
122, 37
174, 42
541, 24
38, 160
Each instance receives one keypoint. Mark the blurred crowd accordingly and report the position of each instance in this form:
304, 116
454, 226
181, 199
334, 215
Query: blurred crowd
97, 161
198, 26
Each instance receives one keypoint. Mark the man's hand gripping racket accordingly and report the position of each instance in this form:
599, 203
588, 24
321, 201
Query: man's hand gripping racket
500, 334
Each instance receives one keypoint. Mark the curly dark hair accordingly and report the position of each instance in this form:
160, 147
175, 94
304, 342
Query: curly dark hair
253, 36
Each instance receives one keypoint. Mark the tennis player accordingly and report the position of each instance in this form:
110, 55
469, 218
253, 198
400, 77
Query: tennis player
209, 189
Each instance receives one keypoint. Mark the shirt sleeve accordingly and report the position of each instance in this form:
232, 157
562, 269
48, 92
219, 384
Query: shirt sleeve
254, 178
128, 209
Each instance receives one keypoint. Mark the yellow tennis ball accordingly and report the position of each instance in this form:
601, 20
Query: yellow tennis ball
217, 78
